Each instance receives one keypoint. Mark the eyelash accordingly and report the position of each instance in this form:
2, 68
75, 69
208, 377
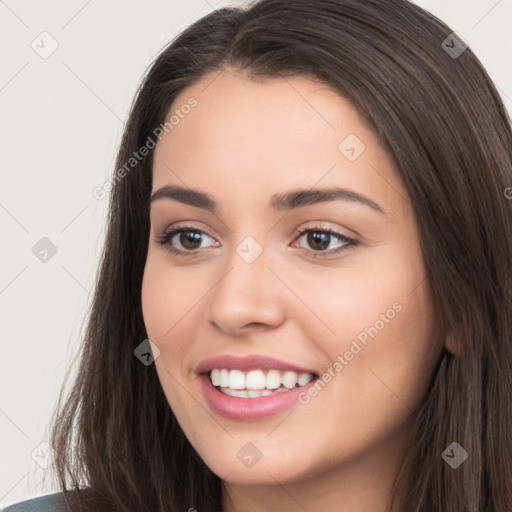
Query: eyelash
167, 237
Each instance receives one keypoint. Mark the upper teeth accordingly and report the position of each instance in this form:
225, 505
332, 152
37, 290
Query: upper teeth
257, 379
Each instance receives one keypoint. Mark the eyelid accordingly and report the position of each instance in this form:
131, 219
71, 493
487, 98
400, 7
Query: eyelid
319, 225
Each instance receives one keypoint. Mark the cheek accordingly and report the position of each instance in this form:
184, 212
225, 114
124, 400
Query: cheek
168, 312
166, 301
377, 368
388, 352
384, 292
380, 345
167, 307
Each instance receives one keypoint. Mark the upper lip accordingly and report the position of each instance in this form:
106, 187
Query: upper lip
247, 363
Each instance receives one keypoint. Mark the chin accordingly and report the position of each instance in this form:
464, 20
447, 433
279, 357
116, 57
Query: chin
268, 470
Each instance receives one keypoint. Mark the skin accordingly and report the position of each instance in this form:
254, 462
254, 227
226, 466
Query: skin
245, 141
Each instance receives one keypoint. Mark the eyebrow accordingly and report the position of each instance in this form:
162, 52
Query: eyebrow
279, 202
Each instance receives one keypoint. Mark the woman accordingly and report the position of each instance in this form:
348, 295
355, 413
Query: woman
237, 360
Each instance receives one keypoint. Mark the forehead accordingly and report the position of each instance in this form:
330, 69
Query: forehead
250, 138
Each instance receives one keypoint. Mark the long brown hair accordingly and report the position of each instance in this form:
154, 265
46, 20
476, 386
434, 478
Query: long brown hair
446, 128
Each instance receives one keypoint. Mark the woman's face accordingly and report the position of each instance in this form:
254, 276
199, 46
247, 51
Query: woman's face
352, 308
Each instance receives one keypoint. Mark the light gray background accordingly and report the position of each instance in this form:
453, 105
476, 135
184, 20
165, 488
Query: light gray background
61, 121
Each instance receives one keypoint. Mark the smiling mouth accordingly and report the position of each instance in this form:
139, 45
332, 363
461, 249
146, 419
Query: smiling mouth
257, 383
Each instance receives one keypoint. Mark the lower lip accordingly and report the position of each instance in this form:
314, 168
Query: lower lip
248, 409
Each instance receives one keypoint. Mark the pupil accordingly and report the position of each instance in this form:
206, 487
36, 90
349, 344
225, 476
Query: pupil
316, 237
187, 237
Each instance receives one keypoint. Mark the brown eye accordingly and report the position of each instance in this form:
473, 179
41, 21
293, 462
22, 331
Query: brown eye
185, 241
318, 240
190, 239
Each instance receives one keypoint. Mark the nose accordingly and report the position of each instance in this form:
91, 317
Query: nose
246, 297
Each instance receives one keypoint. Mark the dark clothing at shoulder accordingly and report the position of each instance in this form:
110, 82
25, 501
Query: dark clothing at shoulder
49, 503
56, 502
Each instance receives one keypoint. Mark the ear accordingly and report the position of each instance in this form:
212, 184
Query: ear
452, 344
